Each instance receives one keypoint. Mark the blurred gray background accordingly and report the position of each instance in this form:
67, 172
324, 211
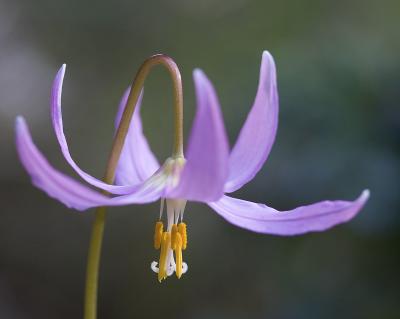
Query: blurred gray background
338, 68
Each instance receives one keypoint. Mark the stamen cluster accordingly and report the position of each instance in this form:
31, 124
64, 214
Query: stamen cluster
170, 242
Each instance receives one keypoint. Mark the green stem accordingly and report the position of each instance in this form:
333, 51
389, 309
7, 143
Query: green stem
92, 274
93, 262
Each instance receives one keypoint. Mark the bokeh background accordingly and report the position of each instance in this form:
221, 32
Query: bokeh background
339, 77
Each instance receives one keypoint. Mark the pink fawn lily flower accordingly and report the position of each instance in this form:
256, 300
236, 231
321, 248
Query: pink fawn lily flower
207, 174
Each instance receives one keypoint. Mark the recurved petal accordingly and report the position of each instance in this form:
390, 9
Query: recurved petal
206, 169
137, 161
65, 189
258, 132
56, 116
263, 219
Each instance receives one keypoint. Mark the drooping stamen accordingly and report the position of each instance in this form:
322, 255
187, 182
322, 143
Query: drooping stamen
183, 233
165, 247
178, 255
174, 232
158, 232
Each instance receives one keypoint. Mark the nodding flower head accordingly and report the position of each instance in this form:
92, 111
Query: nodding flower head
208, 172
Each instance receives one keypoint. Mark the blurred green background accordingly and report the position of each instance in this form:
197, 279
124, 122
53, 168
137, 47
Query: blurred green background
338, 68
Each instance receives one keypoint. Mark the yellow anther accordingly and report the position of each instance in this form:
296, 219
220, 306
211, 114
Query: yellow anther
178, 255
174, 232
182, 231
162, 264
158, 232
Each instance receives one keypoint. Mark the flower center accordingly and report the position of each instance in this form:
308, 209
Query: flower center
168, 175
171, 241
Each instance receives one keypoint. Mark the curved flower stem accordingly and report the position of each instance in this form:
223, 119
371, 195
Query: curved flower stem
130, 108
92, 271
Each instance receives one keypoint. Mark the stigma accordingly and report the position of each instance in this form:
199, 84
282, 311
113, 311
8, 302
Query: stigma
171, 241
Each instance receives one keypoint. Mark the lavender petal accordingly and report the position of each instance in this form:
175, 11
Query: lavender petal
206, 169
258, 132
263, 219
67, 190
56, 117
